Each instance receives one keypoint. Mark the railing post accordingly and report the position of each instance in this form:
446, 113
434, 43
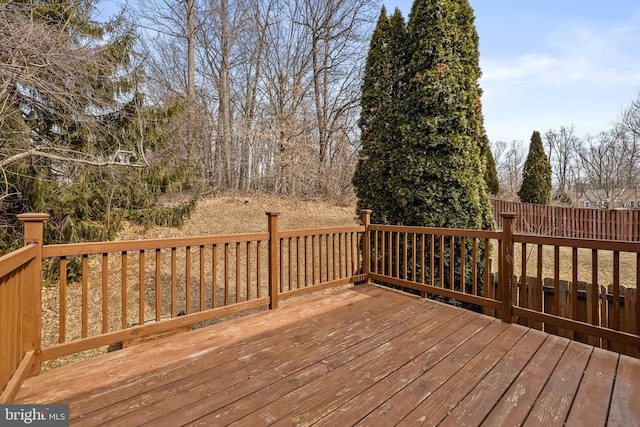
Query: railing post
506, 266
365, 217
33, 226
273, 259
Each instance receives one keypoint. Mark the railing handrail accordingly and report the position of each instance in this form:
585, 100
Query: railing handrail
582, 243
319, 231
14, 260
92, 248
462, 232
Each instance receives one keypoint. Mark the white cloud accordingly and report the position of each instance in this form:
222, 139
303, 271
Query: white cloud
580, 73
576, 53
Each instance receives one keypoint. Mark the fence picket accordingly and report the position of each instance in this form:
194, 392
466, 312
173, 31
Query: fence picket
559, 221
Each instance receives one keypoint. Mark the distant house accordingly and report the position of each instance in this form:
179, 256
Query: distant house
626, 199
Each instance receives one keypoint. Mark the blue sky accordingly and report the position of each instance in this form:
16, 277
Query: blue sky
548, 63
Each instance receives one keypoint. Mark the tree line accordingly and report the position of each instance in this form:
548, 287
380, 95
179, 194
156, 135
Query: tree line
274, 87
134, 116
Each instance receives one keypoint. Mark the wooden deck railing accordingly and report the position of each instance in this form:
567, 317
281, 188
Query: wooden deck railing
450, 263
601, 309
132, 289
129, 290
591, 294
20, 309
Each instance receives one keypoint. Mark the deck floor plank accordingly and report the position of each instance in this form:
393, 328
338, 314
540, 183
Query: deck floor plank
393, 410
433, 410
360, 356
358, 407
311, 402
74, 383
591, 403
516, 403
625, 407
477, 404
555, 400
239, 364
214, 396
350, 358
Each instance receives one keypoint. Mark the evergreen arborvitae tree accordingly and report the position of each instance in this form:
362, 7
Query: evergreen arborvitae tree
536, 175
440, 168
381, 116
424, 151
490, 173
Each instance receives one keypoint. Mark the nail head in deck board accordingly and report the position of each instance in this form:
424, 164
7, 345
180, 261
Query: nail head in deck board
591, 403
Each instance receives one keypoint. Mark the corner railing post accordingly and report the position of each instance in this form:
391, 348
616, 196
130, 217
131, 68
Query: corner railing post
365, 217
506, 267
273, 259
33, 225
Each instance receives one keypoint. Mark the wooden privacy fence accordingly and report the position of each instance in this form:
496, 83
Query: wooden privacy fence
129, 290
558, 221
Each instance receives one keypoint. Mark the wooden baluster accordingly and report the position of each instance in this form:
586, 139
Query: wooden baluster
123, 283
187, 280
141, 289
273, 259
105, 293
63, 302
506, 267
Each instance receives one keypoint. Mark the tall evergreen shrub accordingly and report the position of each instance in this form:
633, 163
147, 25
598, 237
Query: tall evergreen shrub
381, 116
432, 154
536, 174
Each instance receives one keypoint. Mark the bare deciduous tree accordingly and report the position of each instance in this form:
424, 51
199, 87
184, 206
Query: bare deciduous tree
509, 159
611, 163
630, 119
563, 146
281, 79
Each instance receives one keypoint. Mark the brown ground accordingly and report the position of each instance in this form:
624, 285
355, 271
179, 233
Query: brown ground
246, 214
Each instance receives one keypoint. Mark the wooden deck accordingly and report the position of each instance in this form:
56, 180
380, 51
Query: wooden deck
367, 356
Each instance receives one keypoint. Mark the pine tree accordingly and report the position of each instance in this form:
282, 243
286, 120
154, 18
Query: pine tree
381, 116
77, 139
536, 175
